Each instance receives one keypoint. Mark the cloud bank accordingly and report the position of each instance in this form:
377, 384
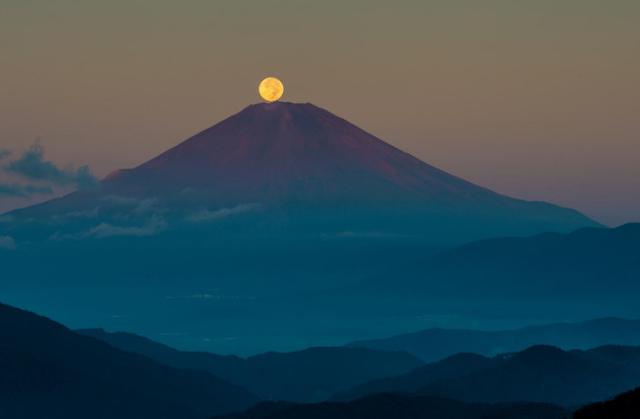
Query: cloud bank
32, 165
154, 226
7, 243
208, 215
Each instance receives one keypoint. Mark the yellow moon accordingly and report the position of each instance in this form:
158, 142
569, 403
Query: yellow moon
271, 89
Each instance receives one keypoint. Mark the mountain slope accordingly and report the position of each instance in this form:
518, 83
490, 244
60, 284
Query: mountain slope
50, 371
384, 406
539, 374
434, 344
303, 376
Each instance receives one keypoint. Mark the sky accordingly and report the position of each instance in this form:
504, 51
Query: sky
536, 99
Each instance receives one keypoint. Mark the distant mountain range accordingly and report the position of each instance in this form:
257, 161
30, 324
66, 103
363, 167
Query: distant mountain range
339, 289
396, 406
435, 344
48, 371
309, 375
53, 372
586, 260
591, 272
540, 374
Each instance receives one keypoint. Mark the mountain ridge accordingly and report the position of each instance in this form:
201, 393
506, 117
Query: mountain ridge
401, 406
540, 373
308, 375
566, 335
50, 371
310, 170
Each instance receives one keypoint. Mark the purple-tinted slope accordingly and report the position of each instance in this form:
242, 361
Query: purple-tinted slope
300, 162
279, 150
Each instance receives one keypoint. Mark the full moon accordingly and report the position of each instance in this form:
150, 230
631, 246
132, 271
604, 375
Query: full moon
271, 89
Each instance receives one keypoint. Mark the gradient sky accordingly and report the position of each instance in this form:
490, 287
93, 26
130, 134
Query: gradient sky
536, 99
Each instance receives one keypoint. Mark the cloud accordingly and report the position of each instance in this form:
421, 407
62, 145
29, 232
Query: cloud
7, 243
84, 179
133, 206
32, 165
154, 226
20, 190
208, 215
92, 213
4, 153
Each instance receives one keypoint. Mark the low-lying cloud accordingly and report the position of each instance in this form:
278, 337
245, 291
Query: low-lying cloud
134, 206
32, 165
211, 215
154, 225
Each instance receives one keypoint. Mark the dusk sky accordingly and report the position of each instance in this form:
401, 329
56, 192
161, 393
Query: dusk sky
535, 99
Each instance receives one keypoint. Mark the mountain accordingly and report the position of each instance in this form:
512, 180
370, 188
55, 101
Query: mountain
624, 406
396, 406
50, 371
437, 343
591, 272
458, 365
605, 252
539, 374
292, 169
272, 211
304, 376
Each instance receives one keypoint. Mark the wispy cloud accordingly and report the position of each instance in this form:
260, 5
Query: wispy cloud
136, 206
153, 226
7, 243
33, 166
126, 209
20, 190
120, 201
210, 215
92, 213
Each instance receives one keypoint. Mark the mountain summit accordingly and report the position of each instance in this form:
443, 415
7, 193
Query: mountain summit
298, 168
283, 151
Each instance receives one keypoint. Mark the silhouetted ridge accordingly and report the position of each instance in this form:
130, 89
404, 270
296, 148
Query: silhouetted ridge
50, 371
541, 373
385, 406
437, 343
624, 406
308, 375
